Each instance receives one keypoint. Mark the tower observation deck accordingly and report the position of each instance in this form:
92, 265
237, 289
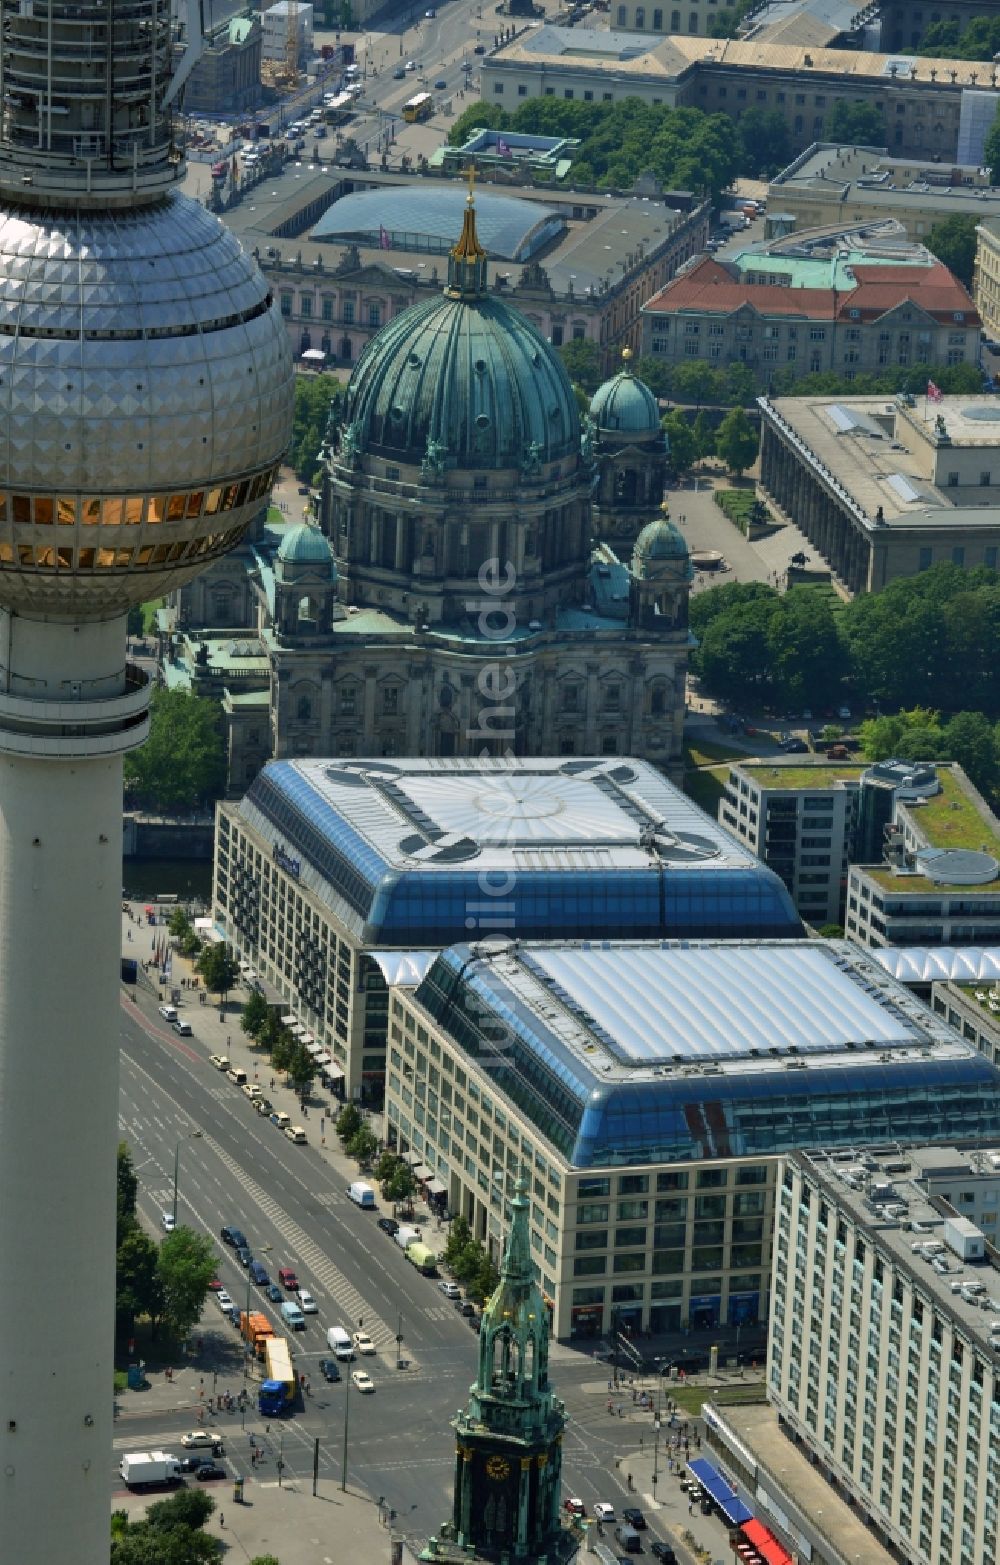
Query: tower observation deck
145, 402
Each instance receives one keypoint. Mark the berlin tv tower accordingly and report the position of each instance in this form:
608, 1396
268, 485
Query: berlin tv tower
145, 402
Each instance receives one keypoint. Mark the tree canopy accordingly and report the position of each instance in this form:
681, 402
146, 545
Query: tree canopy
218, 967
186, 1267
953, 241
182, 765
583, 363
317, 399
978, 40
737, 442
855, 123
922, 649
684, 149
695, 383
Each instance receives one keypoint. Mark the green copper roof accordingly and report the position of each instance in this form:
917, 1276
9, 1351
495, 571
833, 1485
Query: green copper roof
305, 545
465, 382
625, 403
661, 540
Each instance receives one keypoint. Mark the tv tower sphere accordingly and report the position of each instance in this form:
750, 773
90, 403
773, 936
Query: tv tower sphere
146, 395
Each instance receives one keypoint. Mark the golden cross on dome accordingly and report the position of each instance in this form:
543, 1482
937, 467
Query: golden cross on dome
470, 174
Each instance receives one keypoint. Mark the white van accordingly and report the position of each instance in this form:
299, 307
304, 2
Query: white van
362, 1194
404, 1237
339, 1343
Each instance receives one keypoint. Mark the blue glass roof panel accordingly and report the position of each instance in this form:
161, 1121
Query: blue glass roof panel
508, 226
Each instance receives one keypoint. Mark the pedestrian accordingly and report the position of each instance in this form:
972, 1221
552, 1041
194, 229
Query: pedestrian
628, 1480
272, 1083
690, 1507
229, 1040
222, 1518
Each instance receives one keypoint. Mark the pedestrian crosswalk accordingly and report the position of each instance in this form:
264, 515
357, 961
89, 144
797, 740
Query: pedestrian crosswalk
326, 1275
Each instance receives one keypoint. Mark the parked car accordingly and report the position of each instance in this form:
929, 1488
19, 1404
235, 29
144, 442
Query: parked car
479, 49
219, 1061
168, 1222
634, 1517
329, 1369
465, 1307
307, 1304
288, 1279
388, 1225
274, 1293
184, 1028
223, 1300
215, 1285
663, 1551
244, 1255
234, 1236
451, 1290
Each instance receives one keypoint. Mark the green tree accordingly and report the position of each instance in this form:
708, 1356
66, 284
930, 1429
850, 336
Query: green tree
855, 123
953, 241
979, 40
349, 1122
128, 1190
179, 923
991, 150
318, 403
282, 1049
489, 116
141, 1545
218, 968
486, 1278
301, 1069
186, 1267
265, 1559
736, 441
808, 660
971, 740
459, 1235
362, 1146
187, 1508
137, 1280
386, 1166
182, 764
656, 374
402, 1185
704, 435
734, 658
915, 735
582, 359
765, 144
681, 442
254, 1014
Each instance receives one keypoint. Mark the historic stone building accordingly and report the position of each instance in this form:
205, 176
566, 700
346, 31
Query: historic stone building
631, 451
508, 1458
453, 601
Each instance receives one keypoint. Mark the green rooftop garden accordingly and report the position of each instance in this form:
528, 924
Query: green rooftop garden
951, 819
818, 776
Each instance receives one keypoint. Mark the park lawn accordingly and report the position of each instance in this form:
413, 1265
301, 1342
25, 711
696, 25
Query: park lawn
691, 1398
705, 752
275, 515
149, 615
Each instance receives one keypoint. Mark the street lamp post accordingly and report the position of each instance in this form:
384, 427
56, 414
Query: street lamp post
347, 1407
192, 1135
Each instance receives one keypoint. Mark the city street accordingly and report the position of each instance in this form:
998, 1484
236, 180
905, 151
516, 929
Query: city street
292, 1205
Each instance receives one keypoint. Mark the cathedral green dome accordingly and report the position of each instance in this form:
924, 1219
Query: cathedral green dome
305, 545
660, 540
625, 404
462, 380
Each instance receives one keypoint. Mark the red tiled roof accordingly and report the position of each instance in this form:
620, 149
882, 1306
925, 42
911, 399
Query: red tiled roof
709, 288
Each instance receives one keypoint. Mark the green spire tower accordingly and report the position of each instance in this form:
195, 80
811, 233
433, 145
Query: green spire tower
508, 1460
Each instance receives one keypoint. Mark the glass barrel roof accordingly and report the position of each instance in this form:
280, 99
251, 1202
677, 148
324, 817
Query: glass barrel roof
428, 220
530, 1029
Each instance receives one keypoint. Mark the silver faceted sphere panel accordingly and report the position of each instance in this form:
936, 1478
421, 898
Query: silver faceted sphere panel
146, 391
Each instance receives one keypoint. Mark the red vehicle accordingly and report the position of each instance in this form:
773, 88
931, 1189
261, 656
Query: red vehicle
287, 1278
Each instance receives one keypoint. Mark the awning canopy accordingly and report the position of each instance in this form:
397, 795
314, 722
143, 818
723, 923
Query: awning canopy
422, 1172
730, 1505
314, 1048
766, 1543
288, 1021
435, 1187
203, 924
334, 1072
314, 356
413, 1158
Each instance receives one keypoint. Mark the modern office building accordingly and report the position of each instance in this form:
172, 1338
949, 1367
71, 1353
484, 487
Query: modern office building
326, 864
831, 185
287, 25
921, 99
800, 818
887, 488
939, 882
852, 302
884, 1339
147, 401
649, 1089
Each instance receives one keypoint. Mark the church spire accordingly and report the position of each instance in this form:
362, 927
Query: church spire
467, 258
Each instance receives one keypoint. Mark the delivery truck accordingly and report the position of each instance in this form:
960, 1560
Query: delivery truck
139, 1469
362, 1194
255, 1328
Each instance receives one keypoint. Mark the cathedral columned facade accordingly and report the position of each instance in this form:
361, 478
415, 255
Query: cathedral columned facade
508, 1453
460, 595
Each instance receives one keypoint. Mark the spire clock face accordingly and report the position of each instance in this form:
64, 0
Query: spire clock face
497, 1468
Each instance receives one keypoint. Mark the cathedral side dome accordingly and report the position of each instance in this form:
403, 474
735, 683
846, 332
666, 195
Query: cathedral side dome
659, 541
624, 404
464, 377
306, 545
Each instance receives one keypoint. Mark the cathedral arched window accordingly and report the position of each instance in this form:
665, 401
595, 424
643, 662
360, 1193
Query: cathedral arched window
304, 709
